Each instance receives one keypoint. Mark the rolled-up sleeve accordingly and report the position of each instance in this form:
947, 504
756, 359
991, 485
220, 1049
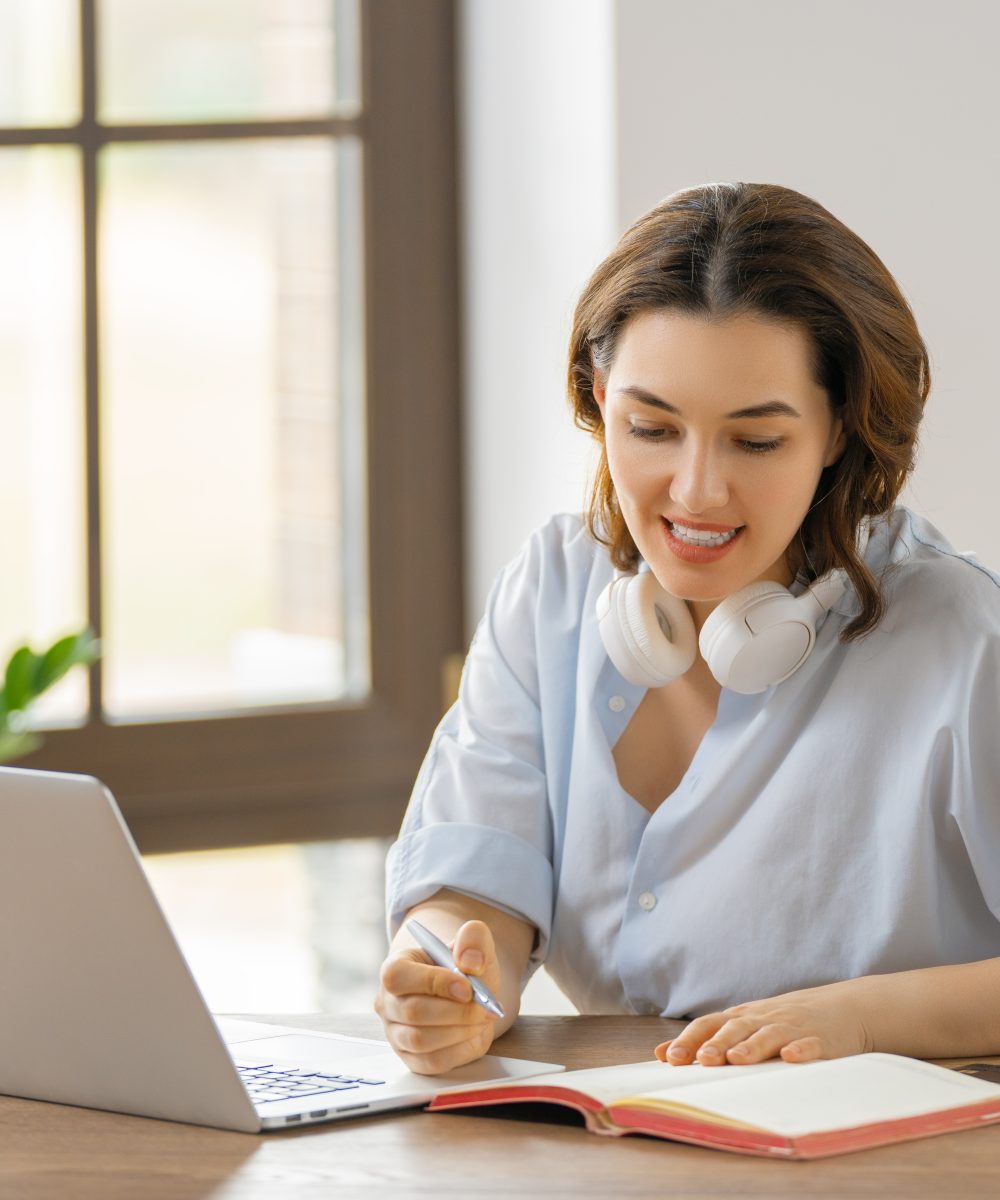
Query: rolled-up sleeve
976, 800
478, 821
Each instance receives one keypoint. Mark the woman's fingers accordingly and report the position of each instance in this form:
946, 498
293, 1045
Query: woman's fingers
428, 1012
765, 1042
731, 1033
429, 1039
410, 973
474, 949
438, 1062
715, 1040
683, 1048
415, 993
822, 1022
803, 1049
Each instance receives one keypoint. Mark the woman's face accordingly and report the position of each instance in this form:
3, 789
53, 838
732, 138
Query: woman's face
716, 435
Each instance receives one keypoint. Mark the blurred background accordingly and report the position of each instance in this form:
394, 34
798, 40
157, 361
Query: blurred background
285, 296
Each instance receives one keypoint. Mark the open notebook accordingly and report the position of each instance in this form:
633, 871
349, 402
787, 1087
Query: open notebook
779, 1109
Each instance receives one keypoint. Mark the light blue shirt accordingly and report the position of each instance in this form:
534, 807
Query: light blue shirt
843, 823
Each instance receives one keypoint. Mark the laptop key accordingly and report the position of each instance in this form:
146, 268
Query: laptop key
303, 1090
267, 1097
351, 1079
267, 1083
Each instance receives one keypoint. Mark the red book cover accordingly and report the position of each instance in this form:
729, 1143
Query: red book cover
776, 1109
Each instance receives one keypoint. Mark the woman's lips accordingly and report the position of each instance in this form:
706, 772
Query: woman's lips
700, 554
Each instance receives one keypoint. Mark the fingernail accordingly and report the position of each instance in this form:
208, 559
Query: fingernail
710, 1052
459, 990
678, 1053
738, 1052
471, 960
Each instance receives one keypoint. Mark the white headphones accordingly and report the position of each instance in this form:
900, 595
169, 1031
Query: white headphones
755, 638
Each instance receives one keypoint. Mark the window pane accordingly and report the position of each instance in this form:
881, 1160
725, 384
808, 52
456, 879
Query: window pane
279, 928
41, 409
39, 62
290, 928
231, 524
185, 60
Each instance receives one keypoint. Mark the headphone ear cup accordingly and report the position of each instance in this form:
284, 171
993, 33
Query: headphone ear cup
648, 633
757, 637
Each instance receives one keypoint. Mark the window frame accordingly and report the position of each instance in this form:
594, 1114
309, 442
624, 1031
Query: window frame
344, 769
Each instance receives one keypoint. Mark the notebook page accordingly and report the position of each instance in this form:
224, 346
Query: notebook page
609, 1084
833, 1094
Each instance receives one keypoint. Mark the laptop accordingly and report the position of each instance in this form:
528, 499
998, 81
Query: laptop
98, 1007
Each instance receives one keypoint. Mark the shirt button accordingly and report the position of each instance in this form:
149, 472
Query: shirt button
616, 703
647, 901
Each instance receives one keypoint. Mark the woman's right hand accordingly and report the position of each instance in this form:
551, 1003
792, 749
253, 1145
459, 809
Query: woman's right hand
430, 1018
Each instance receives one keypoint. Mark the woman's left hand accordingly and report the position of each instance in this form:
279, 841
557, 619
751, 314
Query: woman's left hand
820, 1022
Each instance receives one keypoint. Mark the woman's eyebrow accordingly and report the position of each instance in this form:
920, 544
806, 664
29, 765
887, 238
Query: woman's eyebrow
770, 408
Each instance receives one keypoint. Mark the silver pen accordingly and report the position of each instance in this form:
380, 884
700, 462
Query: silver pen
441, 955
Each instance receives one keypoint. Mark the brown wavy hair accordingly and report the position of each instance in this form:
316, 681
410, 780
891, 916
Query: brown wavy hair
735, 249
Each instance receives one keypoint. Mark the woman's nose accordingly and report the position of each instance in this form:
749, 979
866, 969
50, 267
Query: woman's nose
699, 483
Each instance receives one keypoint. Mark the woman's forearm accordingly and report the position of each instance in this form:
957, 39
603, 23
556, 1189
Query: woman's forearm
936, 1012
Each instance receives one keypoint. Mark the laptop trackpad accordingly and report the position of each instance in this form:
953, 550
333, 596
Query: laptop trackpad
297, 1049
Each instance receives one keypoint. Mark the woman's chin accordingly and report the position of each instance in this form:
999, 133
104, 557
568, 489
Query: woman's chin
698, 586
709, 583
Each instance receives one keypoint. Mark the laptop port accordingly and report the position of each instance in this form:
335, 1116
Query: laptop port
321, 1112
292, 1120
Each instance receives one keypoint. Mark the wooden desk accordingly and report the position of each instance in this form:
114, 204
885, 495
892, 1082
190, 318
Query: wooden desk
51, 1151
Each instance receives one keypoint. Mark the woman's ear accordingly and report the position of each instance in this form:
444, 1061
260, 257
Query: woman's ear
837, 443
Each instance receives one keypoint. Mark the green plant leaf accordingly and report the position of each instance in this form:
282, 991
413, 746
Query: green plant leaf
68, 652
17, 745
20, 680
28, 675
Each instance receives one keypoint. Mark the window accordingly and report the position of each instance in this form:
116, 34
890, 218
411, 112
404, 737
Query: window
229, 384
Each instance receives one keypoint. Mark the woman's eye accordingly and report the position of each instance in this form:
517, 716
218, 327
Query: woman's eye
760, 447
650, 432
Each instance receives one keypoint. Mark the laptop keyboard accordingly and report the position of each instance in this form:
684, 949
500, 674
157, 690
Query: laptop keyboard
266, 1082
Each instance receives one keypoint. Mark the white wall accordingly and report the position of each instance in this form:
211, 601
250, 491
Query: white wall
578, 115
886, 112
536, 105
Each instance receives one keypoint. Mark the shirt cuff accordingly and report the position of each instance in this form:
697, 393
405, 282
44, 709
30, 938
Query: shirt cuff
490, 864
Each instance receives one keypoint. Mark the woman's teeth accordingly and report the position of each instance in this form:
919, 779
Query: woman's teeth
701, 537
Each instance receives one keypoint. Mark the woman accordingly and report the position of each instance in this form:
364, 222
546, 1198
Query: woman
804, 862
